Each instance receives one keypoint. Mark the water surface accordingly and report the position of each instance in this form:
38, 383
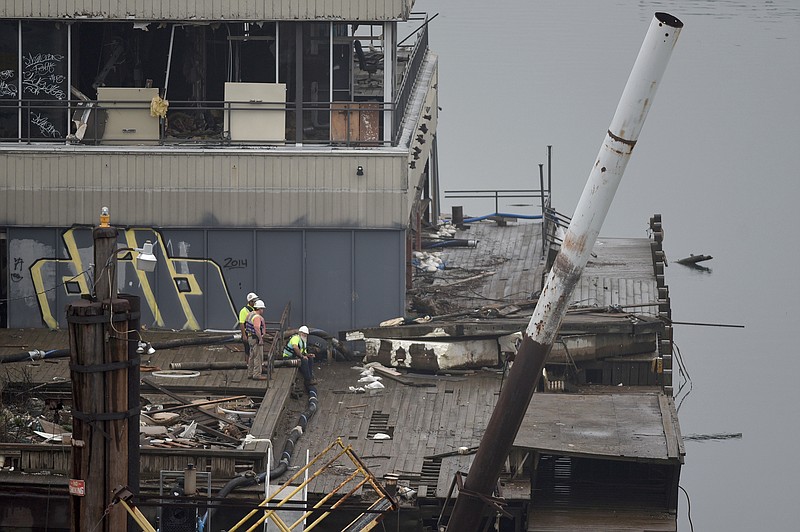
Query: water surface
719, 158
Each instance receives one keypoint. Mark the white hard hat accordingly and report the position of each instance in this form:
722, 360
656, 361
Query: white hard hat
303, 329
251, 296
259, 304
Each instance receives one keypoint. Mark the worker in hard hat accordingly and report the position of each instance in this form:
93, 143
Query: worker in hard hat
297, 347
252, 297
256, 328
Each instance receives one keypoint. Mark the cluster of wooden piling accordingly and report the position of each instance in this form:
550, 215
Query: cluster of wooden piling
664, 309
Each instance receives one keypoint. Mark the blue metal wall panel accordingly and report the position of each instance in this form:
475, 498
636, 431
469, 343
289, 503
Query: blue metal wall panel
279, 278
379, 277
26, 247
329, 280
233, 253
335, 280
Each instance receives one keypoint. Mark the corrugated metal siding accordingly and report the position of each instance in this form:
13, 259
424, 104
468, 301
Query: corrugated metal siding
371, 10
334, 280
169, 189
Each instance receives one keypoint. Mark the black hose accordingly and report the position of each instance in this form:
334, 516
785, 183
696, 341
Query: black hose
201, 340
35, 354
337, 349
294, 435
38, 354
248, 479
450, 243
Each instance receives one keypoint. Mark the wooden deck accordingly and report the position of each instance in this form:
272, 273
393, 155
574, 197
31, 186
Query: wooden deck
434, 416
620, 426
600, 520
429, 424
50, 373
620, 272
509, 256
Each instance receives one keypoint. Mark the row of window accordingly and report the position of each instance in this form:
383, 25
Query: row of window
47, 68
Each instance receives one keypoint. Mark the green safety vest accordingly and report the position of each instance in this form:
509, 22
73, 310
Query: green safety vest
295, 340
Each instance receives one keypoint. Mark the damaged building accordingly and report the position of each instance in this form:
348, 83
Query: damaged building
273, 147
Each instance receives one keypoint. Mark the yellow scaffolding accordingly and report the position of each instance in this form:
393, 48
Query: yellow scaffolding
365, 521
124, 496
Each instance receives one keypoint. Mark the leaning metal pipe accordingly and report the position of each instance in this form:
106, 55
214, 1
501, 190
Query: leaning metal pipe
566, 271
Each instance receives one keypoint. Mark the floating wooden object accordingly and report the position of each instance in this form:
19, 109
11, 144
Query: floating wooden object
694, 259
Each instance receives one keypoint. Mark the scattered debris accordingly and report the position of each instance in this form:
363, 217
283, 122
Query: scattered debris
427, 261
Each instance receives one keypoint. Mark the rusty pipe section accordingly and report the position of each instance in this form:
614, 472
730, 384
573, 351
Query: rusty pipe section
604, 177
542, 329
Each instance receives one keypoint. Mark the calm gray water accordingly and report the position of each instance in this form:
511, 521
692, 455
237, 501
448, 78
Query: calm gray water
719, 158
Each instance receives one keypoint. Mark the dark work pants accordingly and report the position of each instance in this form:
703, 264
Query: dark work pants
246, 348
306, 369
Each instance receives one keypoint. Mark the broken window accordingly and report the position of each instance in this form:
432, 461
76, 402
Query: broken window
188, 65
34, 86
9, 79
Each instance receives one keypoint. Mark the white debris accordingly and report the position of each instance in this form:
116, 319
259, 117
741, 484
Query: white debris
189, 431
406, 493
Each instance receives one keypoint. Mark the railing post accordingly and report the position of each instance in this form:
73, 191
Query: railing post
549, 172
544, 214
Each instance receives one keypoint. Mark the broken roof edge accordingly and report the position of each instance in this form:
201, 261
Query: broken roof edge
599, 322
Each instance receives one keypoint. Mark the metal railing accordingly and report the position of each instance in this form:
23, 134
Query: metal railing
207, 123
497, 195
551, 219
277, 329
212, 123
409, 79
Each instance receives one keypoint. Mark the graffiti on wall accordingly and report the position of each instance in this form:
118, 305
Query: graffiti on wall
172, 294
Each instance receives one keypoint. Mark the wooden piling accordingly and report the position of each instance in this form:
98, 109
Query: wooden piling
99, 373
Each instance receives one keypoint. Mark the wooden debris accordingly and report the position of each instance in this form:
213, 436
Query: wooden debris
395, 376
200, 426
203, 403
694, 259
